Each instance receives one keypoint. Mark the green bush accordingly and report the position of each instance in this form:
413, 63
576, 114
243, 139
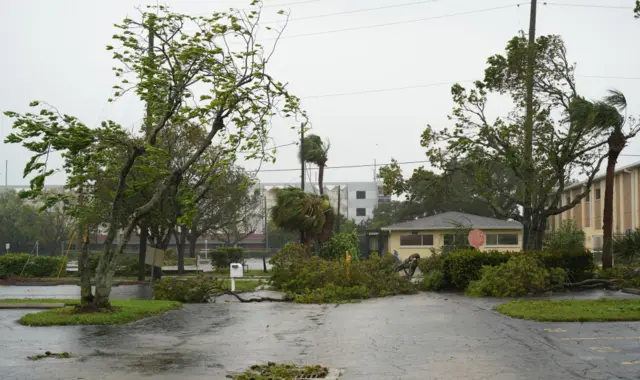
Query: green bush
339, 244
520, 276
627, 276
434, 280
12, 264
579, 264
312, 279
463, 266
567, 237
626, 248
221, 258
191, 290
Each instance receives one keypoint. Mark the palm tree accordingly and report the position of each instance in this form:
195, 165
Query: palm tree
315, 152
296, 210
616, 142
605, 115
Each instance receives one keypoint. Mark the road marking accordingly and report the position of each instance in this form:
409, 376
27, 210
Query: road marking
555, 330
631, 363
606, 338
604, 349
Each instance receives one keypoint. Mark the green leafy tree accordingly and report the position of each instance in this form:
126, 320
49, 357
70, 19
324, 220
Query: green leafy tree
296, 210
636, 10
564, 147
315, 152
191, 74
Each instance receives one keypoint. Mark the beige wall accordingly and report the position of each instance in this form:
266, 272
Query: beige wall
626, 198
438, 241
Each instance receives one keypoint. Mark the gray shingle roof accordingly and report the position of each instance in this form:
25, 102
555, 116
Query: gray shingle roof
451, 220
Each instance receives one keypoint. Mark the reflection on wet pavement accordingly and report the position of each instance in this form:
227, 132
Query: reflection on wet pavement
425, 336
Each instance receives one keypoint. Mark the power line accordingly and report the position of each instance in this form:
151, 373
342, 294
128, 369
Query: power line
437, 84
402, 22
588, 5
353, 11
347, 166
271, 148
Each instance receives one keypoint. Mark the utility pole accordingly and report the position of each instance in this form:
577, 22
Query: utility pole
266, 226
302, 170
528, 125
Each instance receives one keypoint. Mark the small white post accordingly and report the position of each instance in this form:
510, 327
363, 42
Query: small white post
233, 284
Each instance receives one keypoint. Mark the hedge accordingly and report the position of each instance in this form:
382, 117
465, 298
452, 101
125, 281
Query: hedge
127, 265
458, 268
12, 264
221, 258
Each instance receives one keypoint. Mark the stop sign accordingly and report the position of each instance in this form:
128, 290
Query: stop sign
476, 238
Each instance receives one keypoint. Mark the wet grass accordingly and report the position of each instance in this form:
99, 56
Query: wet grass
124, 311
602, 310
282, 372
243, 285
37, 300
56, 355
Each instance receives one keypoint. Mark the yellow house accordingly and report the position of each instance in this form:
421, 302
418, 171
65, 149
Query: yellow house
434, 232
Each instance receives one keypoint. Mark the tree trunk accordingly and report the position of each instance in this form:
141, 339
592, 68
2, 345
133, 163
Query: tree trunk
321, 179
616, 144
180, 242
86, 297
142, 253
193, 240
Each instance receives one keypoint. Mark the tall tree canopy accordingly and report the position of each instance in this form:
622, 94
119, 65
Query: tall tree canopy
564, 147
187, 71
314, 151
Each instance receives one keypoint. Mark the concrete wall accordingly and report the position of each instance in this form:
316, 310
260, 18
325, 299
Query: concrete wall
438, 242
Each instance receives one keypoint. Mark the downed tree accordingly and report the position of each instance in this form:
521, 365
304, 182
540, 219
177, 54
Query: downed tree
593, 283
409, 265
253, 299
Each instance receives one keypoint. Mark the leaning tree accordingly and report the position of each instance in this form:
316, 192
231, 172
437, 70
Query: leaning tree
208, 70
564, 147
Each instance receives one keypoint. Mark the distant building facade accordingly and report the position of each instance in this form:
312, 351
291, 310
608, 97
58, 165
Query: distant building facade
357, 200
588, 213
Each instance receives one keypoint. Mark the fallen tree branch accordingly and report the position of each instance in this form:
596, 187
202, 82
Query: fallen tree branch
258, 299
631, 291
590, 283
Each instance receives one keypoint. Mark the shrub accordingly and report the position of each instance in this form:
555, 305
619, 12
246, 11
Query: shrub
520, 276
579, 264
127, 265
627, 276
567, 237
221, 258
12, 264
434, 280
464, 266
339, 244
312, 279
627, 248
191, 290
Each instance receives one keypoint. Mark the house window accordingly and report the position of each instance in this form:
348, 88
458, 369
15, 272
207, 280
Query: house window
449, 239
501, 239
361, 212
568, 199
597, 194
416, 240
361, 194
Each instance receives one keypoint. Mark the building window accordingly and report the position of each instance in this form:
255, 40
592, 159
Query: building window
361, 194
501, 239
415, 240
597, 194
361, 212
568, 199
449, 239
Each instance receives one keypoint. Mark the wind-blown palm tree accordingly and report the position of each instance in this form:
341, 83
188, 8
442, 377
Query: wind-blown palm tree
296, 210
606, 116
315, 152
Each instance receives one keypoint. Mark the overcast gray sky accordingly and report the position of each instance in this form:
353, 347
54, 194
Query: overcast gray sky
54, 50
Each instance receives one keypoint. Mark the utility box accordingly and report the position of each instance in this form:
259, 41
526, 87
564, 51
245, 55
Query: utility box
236, 270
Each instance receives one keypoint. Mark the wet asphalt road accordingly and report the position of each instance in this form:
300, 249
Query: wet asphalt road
426, 336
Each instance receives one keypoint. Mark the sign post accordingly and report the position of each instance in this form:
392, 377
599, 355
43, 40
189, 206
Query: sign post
476, 238
154, 257
7, 246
